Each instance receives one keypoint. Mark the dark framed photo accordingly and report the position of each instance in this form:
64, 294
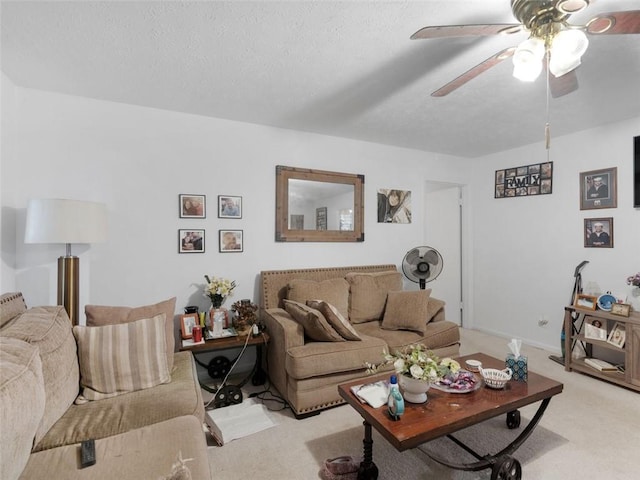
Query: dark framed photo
535, 179
588, 302
229, 207
187, 322
231, 241
598, 189
191, 241
598, 232
192, 206
321, 218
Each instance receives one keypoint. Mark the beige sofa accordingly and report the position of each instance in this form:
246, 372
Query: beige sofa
138, 435
306, 371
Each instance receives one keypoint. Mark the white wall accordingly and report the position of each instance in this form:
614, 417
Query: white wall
7, 216
526, 248
137, 160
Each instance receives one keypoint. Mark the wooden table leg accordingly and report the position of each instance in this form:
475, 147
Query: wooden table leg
368, 470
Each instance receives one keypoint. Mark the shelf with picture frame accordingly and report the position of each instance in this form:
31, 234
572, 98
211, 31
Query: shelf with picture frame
622, 339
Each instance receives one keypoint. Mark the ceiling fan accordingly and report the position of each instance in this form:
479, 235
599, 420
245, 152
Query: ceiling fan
553, 43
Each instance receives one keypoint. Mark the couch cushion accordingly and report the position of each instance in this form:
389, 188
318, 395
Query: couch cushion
115, 415
335, 291
22, 398
325, 358
118, 359
11, 305
335, 319
143, 453
315, 325
437, 335
49, 329
99, 315
368, 294
407, 310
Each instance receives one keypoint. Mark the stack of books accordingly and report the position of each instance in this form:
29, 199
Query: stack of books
600, 365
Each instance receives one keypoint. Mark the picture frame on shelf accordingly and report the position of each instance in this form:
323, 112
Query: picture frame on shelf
598, 189
586, 302
231, 241
594, 328
191, 241
598, 232
187, 322
622, 309
229, 206
192, 205
618, 335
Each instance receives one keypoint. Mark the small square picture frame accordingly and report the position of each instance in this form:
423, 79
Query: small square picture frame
598, 232
191, 240
586, 302
231, 241
618, 335
192, 205
229, 206
595, 328
622, 309
187, 322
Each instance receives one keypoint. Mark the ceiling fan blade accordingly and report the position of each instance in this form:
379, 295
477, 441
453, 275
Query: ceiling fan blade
466, 30
563, 85
474, 72
620, 23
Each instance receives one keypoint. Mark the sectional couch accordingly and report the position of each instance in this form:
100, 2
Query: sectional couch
55, 393
325, 323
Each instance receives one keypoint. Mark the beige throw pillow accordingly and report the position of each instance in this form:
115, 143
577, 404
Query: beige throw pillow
117, 359
335, 291
315, 325
407, 311
335, 319
99, 315
369, 294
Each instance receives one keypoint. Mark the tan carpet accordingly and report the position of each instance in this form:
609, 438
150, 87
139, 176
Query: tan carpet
590, 431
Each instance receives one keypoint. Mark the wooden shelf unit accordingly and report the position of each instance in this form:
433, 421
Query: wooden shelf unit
574, 321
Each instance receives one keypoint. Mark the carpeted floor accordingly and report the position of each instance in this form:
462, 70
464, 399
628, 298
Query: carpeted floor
590, 431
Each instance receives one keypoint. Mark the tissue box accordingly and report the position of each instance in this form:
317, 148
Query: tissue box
518, 366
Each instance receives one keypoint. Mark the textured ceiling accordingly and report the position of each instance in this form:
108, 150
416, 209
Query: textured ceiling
346, 69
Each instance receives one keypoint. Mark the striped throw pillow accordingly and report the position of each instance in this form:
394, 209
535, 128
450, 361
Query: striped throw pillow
123, 358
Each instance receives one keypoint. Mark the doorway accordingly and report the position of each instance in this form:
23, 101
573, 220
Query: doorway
443, 231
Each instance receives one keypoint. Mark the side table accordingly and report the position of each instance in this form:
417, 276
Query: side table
219, 366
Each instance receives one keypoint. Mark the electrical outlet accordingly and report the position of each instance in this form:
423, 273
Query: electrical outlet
543, 321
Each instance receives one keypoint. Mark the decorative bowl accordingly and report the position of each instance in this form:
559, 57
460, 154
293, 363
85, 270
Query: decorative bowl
495, 378
473, 365
606, 301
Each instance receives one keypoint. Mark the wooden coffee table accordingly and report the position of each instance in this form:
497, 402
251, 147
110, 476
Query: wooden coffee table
446, 413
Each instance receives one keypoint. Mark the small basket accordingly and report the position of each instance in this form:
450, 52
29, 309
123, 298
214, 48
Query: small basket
495, 378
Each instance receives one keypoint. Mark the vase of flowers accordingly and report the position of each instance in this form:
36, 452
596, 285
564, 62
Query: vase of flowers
246, 316
634, 281
417, 368
217, 290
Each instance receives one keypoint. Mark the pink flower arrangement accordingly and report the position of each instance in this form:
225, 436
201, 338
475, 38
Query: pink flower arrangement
634, 280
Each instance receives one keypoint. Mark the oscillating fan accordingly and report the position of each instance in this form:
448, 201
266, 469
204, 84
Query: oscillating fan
422, 265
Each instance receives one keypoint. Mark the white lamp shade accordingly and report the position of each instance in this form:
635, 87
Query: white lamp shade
65, 221
527, 59
567, 49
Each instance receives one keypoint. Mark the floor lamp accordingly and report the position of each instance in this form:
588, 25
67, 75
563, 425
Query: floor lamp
68, 222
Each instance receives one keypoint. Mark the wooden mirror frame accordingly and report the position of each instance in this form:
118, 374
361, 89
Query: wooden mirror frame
284, 234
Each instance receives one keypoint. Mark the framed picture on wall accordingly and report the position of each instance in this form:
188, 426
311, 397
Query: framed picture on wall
190, 241
231, 241
598, 232
229, 207
192, 206
598, 189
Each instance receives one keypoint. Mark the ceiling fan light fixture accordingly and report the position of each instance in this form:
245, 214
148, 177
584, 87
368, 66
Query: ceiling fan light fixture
527, 59
567, 48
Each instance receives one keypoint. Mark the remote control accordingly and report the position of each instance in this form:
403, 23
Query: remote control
87, 453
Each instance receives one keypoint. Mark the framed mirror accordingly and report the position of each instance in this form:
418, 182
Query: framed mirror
318, 206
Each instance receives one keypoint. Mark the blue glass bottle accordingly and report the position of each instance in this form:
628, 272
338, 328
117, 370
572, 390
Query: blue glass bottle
395, 402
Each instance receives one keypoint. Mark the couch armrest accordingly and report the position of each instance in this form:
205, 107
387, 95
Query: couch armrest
284, 333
